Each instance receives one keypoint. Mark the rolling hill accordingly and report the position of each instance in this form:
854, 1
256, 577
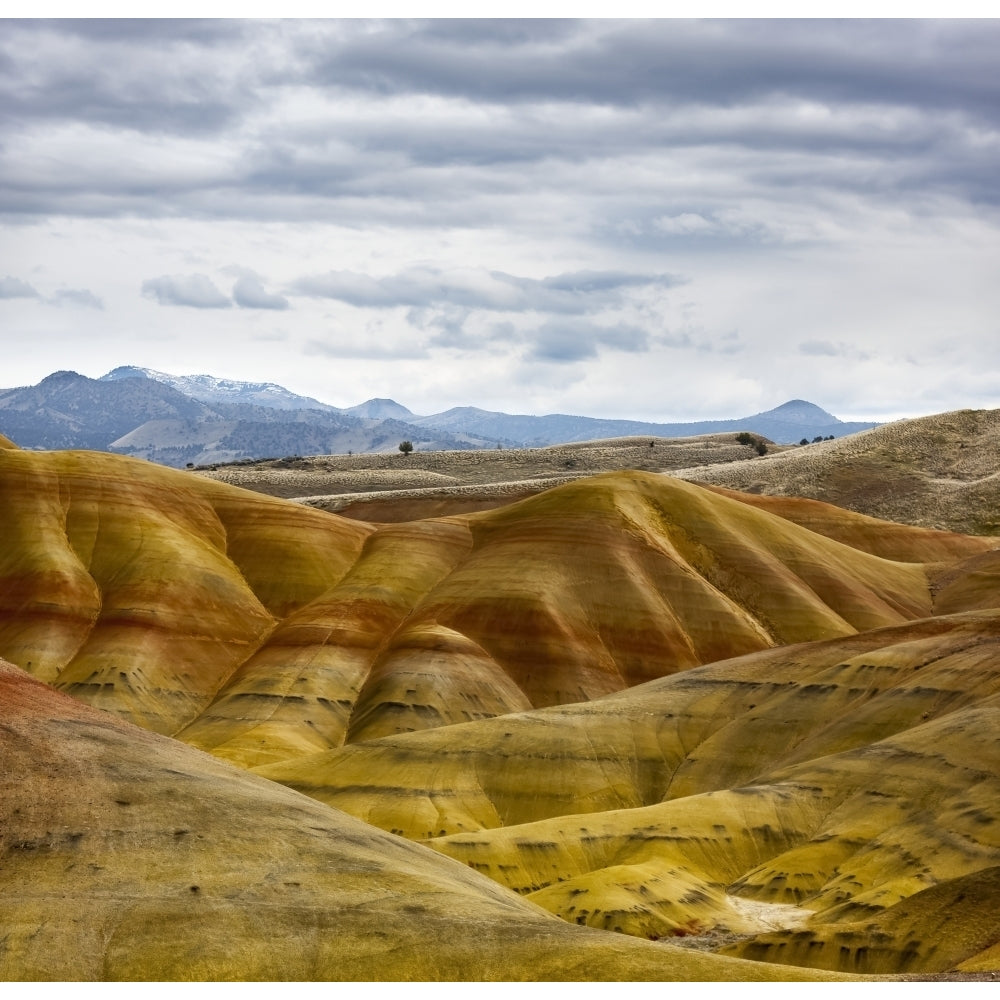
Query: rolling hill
557, 737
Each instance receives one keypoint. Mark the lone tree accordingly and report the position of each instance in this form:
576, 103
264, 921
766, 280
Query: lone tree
406, 447
754, 442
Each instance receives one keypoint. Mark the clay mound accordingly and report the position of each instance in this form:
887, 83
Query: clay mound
795, 797
140, 589
261, 630
950, 926
125, 855
709, 729
578, 592
902, 542
938, 472
826, 850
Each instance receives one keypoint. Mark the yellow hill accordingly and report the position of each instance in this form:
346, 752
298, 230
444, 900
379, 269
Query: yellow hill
262, 630
125, 855
803, 789
647, 705
719, 726
140, 589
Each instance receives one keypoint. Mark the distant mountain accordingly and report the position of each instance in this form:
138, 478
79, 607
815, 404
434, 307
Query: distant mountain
132, 413
381, 409
209, 389
786, 424
66, 410
200, 419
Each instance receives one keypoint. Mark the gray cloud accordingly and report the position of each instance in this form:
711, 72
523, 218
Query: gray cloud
76, 297
446, 326
249, 293
831, 349
665, 61
146, 75
496, 291
816, 183
820, 348
195, 290
15, 288
783, 107
567, 341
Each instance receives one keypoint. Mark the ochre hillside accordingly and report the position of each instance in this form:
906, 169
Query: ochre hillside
140, 590
835, 779
260, 629
623, 708
128, 856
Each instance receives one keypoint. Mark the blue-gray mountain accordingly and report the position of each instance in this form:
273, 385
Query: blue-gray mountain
201, 419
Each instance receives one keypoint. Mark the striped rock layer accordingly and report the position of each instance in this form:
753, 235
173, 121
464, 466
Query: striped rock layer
630, 702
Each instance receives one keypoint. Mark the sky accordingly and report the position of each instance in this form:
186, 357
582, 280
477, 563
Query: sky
658, 220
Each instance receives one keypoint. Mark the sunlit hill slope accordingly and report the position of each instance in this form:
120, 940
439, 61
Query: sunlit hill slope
630, 702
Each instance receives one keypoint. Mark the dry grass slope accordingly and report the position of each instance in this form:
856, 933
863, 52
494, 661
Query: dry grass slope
939, 472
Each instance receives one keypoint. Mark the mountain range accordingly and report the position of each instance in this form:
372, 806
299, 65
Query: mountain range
200, 419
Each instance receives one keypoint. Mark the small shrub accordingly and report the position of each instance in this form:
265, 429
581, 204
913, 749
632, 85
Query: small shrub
406, 447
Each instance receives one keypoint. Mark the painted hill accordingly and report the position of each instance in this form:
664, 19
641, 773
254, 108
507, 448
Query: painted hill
128, 856
821, 789
759, 725
179, 602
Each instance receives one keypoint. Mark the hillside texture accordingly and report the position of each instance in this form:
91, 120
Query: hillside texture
539, 739
941, 471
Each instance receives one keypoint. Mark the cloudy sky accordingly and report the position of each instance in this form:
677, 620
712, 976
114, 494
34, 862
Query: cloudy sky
662, 220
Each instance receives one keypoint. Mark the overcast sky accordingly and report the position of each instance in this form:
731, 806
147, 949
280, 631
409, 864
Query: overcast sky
661, 220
